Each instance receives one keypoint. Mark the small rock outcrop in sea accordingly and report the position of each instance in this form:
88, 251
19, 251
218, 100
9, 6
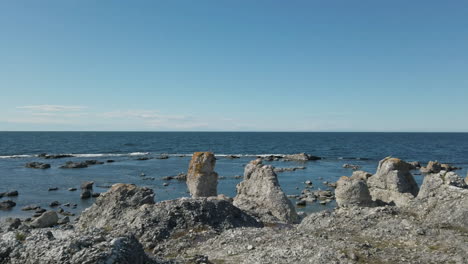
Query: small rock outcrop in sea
261, 195
37, 165
393, 182
47, 219
9, 194
8, 204
352, 192
351, 166
279, 170
300, 157
127, 209
79, 165
202, 180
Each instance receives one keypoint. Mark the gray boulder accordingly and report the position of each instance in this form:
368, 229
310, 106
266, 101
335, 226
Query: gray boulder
47, 219
202, 180
261, 195
352, 192
393, 182
444, 200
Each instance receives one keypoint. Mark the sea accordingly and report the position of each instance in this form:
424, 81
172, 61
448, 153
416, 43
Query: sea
125, 148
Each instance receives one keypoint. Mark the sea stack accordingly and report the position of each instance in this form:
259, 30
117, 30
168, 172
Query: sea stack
393, 182
260, 195
202, 180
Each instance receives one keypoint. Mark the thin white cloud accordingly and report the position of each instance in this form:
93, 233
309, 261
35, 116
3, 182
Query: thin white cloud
52, 108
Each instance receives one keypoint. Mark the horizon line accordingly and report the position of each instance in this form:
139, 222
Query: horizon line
227, 131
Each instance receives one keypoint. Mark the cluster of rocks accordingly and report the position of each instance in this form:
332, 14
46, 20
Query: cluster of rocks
290, 157
8, 204
372, 224
436, 167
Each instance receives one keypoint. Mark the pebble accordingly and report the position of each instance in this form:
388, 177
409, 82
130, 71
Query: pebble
250, 247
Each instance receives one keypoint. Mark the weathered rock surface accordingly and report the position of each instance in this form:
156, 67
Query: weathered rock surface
127, 209
47, 219
202, 180
37, 165
65, 246
261, 195
393, 182
352, 192
300, 157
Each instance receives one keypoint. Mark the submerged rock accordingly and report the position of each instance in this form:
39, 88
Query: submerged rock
202, 180
261, 195
352, 192
37, 165
79, 165
393, 182
8, 204
56, 156
74, 165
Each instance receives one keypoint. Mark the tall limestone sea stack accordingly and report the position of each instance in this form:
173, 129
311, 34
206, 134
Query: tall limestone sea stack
202, 180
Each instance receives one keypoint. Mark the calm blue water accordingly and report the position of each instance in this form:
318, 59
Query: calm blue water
364, 149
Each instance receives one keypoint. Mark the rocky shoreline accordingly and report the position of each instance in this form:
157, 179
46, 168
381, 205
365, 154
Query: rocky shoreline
383, 217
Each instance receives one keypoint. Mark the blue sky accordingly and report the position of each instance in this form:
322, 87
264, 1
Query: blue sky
234, 65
